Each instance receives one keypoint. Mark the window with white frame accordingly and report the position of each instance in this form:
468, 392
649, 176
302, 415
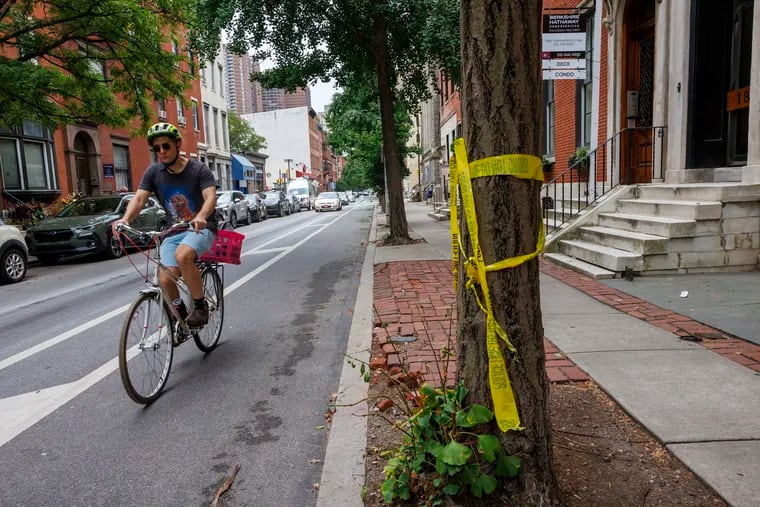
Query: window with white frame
224, 130
196, 120
207, 122
180, 111
221, 80
26, 157
216, 127
121, 165
548, 143
585, 90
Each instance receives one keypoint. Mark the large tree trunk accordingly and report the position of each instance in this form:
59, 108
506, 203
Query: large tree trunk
501, 100
399, 229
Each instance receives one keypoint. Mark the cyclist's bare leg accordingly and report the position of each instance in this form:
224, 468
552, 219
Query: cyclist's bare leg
185, 257
168, 283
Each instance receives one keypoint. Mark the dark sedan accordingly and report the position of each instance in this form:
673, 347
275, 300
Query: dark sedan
256, 206
277, 203
84, 227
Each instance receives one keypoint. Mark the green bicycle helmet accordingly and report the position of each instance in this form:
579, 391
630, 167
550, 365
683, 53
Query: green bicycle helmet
163, 129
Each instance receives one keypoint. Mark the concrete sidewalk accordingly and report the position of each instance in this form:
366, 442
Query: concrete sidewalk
674, 368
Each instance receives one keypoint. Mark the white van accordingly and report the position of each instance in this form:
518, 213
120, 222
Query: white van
305, 190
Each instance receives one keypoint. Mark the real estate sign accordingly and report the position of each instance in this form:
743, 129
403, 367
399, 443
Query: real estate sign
563, 48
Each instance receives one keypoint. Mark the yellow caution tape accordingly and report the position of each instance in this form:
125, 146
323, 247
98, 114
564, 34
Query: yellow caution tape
461, 174
453, 184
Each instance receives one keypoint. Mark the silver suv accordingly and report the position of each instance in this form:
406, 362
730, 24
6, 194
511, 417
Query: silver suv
232, 207
13, 254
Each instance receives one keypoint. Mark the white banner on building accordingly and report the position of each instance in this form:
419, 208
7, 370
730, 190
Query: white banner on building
553, 74
563, 42
563, 63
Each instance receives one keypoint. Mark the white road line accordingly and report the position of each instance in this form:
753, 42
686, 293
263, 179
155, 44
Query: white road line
20, 412
256, 251
61, 337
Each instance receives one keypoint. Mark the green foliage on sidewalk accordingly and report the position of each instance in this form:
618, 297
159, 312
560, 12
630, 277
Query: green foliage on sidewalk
444, 451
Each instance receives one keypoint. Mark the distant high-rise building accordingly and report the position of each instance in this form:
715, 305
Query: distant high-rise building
300, 98
256, 89
240, 96
276, 98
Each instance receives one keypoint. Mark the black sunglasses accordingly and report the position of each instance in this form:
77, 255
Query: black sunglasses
158, 147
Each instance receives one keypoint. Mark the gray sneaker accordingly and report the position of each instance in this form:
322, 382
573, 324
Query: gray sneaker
198, 318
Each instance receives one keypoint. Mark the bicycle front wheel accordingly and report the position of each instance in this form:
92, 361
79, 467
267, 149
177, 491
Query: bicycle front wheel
207, 337
145, 348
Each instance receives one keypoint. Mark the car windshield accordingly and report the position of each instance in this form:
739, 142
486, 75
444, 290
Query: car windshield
251, 197
298, 191
327, 195
272, 195
87, 207
223, 198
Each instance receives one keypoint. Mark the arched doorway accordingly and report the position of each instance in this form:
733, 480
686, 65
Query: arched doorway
638, 91
85, 172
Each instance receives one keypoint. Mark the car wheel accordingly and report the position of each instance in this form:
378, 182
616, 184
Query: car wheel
13, 266
48, 260
114, 250
233, 220
250, 217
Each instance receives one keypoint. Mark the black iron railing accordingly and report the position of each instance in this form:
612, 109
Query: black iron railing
633, 155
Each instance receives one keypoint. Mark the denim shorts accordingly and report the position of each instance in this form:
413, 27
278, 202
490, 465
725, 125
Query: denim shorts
198, 241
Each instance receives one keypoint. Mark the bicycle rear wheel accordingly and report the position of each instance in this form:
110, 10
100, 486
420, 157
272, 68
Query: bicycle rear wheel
145, 348
207, 337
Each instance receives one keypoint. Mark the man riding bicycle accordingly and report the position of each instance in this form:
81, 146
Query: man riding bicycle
187, 190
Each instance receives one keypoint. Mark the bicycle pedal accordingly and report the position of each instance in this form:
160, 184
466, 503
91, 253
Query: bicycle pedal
180, 338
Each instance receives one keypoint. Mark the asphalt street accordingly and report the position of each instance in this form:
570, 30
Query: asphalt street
69, 435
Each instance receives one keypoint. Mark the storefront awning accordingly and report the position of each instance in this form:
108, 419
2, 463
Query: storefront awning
240, 166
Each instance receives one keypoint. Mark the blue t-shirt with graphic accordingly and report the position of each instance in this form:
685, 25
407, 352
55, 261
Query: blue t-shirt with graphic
181, 194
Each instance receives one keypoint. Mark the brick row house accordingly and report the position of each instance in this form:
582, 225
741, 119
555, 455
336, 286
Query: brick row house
652, 154
39, 164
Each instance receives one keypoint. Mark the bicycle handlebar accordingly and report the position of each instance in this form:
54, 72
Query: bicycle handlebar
179, 226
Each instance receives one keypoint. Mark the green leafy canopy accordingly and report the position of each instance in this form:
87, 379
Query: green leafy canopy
355, 130
67, 61
242, 136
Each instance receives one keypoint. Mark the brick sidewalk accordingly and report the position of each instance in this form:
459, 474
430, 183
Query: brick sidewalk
416, 299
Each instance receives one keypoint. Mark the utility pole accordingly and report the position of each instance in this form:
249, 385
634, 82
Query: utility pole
288, 160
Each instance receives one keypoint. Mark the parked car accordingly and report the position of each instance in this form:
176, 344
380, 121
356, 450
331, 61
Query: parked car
327, 201
277, 203
13, 254
84, 227
256, 206
295, 203
343, 198
232, 206
305, 191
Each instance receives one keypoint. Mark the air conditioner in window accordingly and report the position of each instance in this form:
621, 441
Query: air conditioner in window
161, 115
182, 121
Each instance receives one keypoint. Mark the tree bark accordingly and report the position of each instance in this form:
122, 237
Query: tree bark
501, 100
399, 228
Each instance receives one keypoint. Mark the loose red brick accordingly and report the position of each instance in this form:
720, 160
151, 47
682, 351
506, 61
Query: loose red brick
377, 363
393, 360
384, 404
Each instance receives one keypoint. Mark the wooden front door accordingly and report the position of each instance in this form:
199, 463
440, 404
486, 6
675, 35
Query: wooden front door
636, 155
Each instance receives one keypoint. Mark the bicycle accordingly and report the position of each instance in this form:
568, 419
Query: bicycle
153, 326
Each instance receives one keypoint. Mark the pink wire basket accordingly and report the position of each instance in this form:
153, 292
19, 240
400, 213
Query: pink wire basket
226, 248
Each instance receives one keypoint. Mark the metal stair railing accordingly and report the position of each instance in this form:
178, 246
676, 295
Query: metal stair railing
639, 150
